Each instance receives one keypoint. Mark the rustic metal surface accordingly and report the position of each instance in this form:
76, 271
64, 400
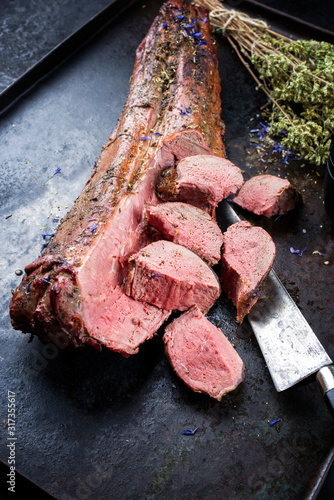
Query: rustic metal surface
94, 425
29, 30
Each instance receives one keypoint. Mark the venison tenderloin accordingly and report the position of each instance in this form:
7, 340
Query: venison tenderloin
73, 294
247, 256
202, 356
189, 226
267, 195
172, 277
200, 180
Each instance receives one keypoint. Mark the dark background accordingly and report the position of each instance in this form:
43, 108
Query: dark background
29, 30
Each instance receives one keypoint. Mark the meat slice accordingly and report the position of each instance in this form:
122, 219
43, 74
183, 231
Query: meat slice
189, 226
267, 195
202, 356
247, 257
171, 276
200, 180
73, 294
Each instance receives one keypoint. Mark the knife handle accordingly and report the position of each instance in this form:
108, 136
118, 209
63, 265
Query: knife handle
325, 379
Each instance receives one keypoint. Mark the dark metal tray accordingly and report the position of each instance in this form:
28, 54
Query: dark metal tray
94, 425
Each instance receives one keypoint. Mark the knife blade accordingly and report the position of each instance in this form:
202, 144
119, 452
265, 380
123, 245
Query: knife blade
289, 346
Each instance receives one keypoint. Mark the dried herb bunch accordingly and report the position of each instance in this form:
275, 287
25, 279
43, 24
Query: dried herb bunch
297, 76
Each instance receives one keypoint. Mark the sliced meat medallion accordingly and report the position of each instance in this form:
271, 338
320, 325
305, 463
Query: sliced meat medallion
247, 257
189, 226
202, 356
267, 195
200, 180
171, 277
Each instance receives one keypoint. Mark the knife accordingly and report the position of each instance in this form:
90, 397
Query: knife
289, 346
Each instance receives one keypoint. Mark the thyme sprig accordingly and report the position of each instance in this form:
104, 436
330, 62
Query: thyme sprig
296, 75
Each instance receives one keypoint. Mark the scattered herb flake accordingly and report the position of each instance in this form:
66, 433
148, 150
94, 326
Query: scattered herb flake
57, 171
273, 422
189, 432
316, 252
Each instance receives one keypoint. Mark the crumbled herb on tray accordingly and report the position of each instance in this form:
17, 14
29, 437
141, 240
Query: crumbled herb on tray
189, 432
273, 422
300, 252
316, 252
296, 75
